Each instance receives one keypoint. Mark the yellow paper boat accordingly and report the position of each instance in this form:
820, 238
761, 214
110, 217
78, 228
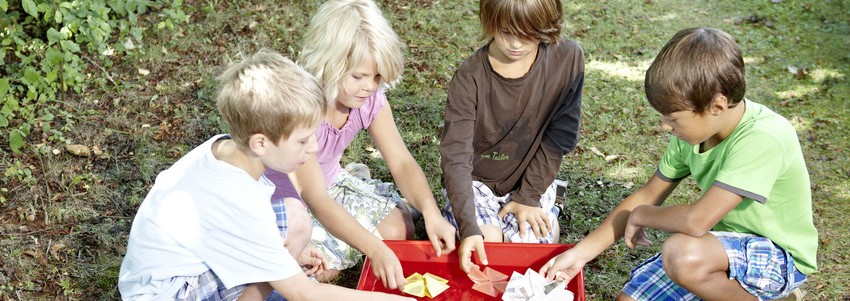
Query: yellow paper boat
428, 285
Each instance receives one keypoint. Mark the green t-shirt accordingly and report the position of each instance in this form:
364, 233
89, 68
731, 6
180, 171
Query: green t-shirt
761, 160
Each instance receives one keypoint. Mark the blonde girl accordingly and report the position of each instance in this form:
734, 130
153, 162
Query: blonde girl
355, 54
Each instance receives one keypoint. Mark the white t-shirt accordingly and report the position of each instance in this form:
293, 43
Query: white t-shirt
203, 214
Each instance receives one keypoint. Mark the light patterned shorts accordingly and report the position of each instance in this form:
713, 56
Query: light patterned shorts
207, 286
369, 202
488, 204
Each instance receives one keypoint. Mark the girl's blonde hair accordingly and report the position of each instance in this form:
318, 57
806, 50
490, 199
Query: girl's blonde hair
268, 94
340, 34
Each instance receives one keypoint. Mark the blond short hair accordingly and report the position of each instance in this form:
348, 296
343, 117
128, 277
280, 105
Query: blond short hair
268, 94
340, 34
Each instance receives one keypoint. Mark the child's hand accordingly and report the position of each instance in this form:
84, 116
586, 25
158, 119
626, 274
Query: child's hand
469, 244
313, 260
563, 267
385, 266
441, 233
635, 235
534, 216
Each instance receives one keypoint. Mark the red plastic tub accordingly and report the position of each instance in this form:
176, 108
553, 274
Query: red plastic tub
418, 256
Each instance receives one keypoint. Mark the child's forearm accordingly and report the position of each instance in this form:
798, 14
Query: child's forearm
300, 288
613, 227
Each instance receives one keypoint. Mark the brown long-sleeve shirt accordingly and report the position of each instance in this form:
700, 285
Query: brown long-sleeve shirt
510, 133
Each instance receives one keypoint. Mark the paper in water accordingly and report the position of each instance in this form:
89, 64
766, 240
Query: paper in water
488, 281
428, 285
532, 286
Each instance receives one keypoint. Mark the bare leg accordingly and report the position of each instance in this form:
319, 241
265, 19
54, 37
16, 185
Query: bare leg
299, 227
255, 292
492, 233
700, 265
397, 225
624, 297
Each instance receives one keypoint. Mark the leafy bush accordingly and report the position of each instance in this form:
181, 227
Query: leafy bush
46, 47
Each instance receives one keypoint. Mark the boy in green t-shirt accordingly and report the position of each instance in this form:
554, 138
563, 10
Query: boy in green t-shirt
750, 236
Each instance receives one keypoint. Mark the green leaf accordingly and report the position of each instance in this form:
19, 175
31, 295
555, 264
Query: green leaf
3, 121
54, 56
4, 6
31, 76
4, 87
16, 140
69, 46
58, 17
53, 36
30, 8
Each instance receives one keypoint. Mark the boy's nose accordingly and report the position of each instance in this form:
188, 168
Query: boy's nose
515, 43
666, 127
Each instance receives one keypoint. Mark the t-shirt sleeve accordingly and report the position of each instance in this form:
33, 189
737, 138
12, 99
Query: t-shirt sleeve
372, 107
751, 169
673, 167
247, 249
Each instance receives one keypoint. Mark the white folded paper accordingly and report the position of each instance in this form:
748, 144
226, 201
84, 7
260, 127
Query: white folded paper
534, 287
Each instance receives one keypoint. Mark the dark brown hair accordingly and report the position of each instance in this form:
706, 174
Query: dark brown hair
694, 66
525, 19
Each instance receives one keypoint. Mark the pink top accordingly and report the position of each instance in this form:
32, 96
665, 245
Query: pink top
333, 141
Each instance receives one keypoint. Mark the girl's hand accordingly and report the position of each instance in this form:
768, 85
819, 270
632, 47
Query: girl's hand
441, 233
385, 266
534, 216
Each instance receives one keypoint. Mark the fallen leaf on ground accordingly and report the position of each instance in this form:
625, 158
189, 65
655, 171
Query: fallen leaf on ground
78, 150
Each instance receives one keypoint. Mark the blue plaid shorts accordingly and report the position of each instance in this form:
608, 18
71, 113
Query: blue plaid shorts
488, 204
279, 207
761, 267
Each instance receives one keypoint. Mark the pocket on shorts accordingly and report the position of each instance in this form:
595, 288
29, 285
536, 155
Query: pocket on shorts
766, 271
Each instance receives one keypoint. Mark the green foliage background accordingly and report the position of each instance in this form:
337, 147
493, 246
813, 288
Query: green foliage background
132, 81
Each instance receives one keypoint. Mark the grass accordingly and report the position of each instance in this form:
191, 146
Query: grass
82, 207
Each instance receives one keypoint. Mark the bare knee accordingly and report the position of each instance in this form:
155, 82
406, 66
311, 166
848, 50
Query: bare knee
299, 226
492, 233
684, 259
624, 297
397, 225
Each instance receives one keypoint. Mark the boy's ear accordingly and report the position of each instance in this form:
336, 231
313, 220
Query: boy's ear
257, 143
718, 104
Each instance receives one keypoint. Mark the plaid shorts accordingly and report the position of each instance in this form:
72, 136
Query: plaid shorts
279, 207
207, 287
487, 206
761, 267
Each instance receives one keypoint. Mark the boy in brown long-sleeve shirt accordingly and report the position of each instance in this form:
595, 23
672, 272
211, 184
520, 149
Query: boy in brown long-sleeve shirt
512, 114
